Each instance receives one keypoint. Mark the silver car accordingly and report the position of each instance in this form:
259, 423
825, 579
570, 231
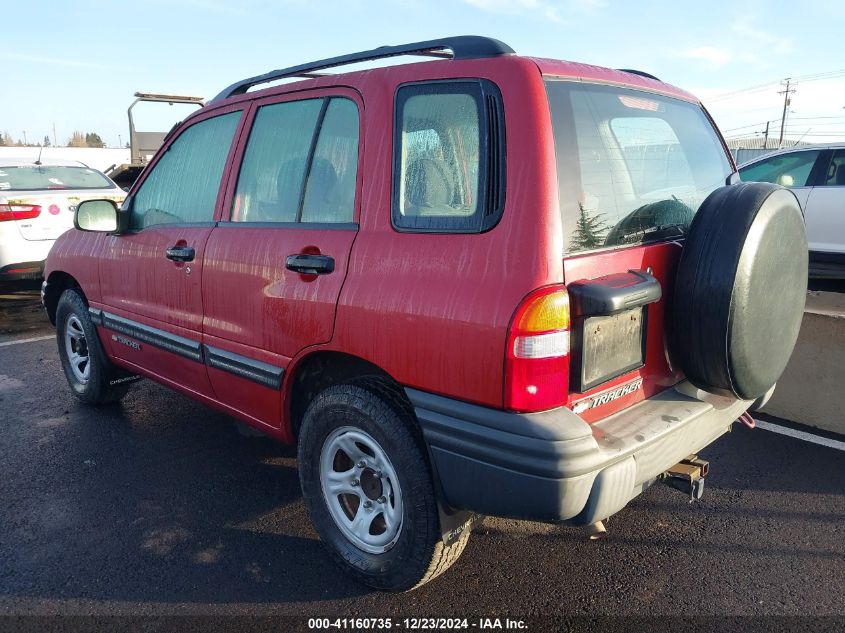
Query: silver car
37, 203
816, 174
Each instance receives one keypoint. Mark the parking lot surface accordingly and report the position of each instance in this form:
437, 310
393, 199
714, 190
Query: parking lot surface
162, 506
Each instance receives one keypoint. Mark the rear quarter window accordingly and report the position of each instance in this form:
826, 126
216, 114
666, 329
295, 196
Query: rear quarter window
448, 160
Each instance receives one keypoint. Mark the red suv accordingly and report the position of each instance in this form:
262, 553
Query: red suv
484, 284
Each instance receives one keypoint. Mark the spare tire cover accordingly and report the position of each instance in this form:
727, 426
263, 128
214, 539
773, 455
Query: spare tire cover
740, 290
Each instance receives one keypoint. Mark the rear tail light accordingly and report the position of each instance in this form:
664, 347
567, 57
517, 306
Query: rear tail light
537, 354
9, 212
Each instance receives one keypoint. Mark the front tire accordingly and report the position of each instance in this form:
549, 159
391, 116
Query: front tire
369, 489
87, 369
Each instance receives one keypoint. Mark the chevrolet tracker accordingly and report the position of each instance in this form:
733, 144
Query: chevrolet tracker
482, 284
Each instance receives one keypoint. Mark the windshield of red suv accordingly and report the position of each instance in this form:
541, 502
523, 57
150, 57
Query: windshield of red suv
39, 177
632, 166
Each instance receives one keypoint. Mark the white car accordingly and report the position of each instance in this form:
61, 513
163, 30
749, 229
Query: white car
37, 204
816, 175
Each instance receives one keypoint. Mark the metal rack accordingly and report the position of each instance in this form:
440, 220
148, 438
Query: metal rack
461, 47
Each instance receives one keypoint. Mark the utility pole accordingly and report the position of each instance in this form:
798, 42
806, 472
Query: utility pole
24, 137
786, 101
55, 144
766, 137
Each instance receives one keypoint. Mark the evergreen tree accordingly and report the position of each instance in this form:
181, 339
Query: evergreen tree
590, 231
46, 142
92, 139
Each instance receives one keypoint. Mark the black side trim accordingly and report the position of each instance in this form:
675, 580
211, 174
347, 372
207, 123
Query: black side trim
243, 366
254, 370
827, 265
823, 257
96, 316
153, 336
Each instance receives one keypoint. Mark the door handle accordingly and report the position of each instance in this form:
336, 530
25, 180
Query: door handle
180, 253
310, 264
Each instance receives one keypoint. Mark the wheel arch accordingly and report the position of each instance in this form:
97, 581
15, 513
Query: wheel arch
320, 369
56, 283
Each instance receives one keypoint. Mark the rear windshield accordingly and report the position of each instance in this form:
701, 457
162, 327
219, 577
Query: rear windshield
632, 167
38, 177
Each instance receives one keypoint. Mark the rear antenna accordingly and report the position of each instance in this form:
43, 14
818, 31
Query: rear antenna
38, 160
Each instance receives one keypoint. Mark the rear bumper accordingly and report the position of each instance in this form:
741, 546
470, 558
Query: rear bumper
22, 271
827, 265
553, 466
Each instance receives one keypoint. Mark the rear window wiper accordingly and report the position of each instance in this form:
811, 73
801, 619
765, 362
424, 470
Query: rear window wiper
677, 229
651, 233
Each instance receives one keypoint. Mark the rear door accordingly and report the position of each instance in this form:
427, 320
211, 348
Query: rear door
274, 270
151, 276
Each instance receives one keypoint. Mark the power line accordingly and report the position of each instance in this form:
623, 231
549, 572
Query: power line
771, 84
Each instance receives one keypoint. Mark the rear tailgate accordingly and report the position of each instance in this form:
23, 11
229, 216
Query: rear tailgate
633, 168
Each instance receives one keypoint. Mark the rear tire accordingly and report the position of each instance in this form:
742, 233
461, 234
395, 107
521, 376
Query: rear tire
87, 369
359, 452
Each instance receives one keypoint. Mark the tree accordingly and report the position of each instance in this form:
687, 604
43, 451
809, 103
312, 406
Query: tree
92, 139
77, 139
7, 140
46, 142
590, 231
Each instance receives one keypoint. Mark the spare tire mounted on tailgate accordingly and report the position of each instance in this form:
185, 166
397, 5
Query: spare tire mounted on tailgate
740, 288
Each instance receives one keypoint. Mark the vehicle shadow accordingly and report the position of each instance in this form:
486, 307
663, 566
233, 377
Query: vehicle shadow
158, 500
20, 309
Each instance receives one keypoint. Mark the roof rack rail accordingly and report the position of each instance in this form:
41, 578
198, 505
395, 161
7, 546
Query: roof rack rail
641, 73
462, 47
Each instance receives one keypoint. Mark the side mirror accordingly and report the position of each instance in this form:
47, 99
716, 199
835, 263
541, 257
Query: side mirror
96, 215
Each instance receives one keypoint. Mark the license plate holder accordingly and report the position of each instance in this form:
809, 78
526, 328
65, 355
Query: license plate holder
608, 346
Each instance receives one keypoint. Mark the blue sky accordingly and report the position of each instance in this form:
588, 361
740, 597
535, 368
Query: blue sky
77, 63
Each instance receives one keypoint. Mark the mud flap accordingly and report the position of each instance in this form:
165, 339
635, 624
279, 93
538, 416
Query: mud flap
120, 381
453, 523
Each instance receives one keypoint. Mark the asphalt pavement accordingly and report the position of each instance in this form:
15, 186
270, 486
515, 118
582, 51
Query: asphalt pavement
160, 506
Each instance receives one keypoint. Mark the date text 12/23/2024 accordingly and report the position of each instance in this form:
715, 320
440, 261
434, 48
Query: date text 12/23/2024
417, 624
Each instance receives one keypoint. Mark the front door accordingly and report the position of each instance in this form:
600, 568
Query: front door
274, 271
825, 210
151, 276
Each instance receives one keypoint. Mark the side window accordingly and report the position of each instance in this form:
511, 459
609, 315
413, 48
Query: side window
448, 161
330, 191
835, 176
789, 170
184, 183
300, 163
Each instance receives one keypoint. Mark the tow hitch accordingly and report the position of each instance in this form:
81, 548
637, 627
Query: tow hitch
688, 476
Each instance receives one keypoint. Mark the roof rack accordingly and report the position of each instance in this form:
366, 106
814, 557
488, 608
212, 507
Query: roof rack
148, 96
641, 73
462, 47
